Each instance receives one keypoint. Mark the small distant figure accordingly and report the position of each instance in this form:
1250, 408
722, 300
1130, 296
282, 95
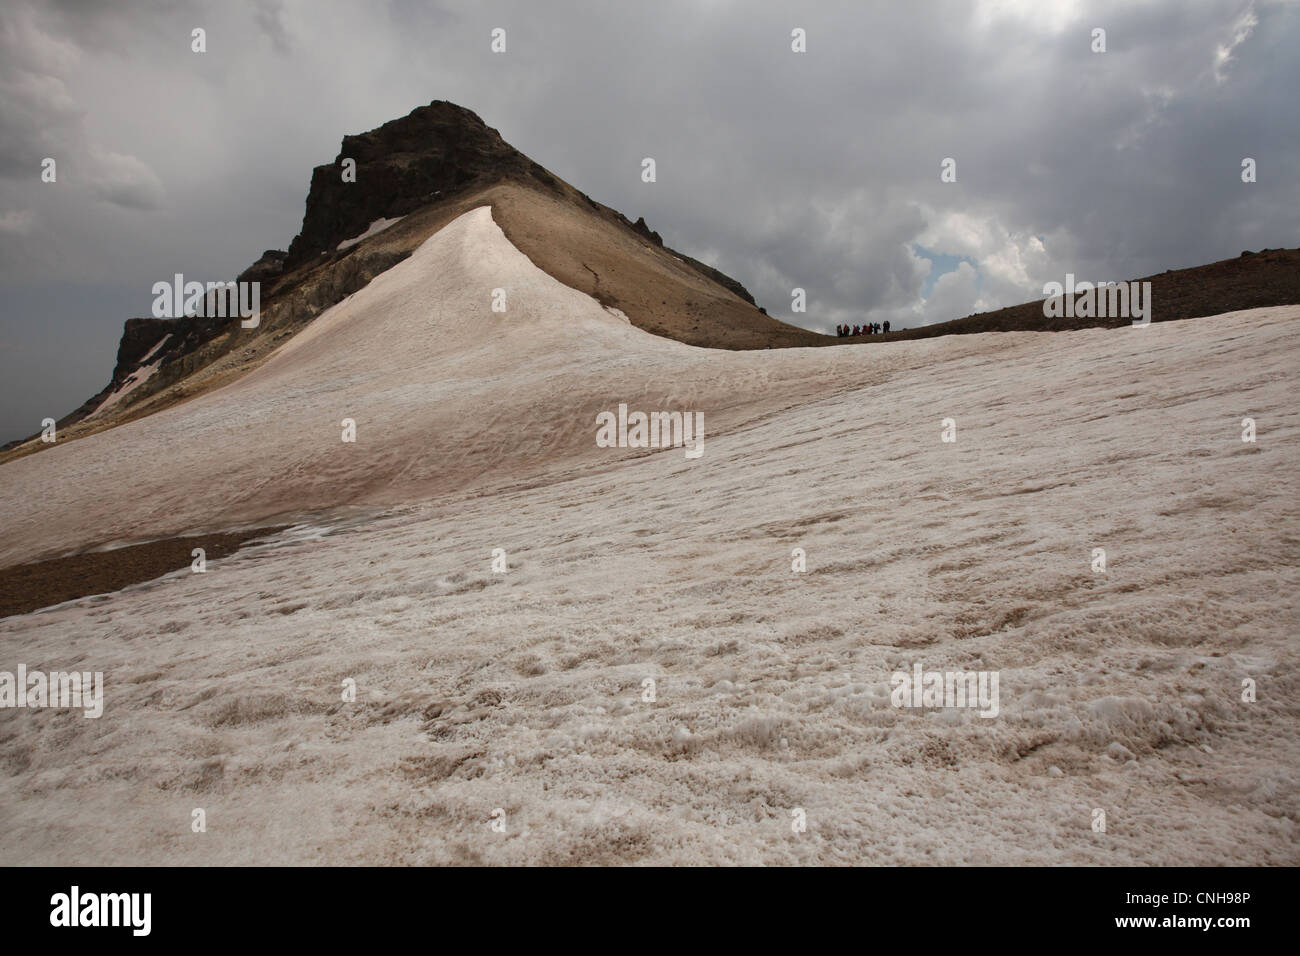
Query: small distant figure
839, 331
855, 330
886, 328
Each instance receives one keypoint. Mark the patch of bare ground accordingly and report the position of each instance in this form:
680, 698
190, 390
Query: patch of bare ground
38, 584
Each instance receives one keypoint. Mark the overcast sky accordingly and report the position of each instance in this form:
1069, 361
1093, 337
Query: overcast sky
819, 169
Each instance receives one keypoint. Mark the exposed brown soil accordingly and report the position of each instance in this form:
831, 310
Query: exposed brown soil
29, 587
585, 246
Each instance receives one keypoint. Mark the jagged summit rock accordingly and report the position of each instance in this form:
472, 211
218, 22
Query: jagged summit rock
401, 166
641, 227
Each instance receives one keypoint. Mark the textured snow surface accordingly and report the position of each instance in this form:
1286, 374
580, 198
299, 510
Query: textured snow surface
523, 691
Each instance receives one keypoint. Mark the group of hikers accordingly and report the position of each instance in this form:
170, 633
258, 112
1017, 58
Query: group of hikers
871, 328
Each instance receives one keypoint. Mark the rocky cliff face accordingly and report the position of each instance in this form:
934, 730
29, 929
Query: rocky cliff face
401, 166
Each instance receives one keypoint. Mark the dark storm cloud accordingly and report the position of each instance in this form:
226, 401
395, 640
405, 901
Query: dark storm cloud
818, 170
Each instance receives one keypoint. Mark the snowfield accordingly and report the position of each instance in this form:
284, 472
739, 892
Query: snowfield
501, 717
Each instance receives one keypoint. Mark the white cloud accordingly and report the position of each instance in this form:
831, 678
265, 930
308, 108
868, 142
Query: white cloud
1012, 264
1225, 53
1049, 16
955, 294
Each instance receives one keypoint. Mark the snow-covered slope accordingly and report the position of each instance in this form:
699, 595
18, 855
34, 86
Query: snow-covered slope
445, 394
523, 691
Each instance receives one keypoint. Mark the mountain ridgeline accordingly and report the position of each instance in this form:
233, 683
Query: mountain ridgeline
413, 175
390, 189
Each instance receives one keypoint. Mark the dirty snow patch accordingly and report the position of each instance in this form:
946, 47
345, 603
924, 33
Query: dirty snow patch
376, 227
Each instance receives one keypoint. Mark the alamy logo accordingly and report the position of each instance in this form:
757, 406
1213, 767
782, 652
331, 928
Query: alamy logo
924, 688
655, 430
103, 909
74, 689
1119, 300
215, 300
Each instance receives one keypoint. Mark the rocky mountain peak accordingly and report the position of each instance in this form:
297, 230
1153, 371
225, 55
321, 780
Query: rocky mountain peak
401, 166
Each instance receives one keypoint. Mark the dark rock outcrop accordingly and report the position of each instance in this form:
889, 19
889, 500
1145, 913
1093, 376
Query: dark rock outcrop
401, 166
641, 227
266, 269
